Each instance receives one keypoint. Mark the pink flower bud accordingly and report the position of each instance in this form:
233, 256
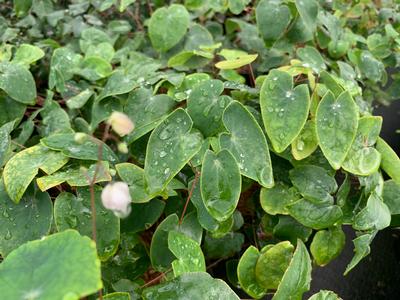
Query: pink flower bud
120, 123
115, 196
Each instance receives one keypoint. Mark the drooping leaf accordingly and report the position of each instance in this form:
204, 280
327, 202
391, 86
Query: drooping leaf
272, 264
337, 121
205, 106
391, 196
167, 26
390, 162
324, 295
17, 82
314, 183
196, 286
247, 142
284, 109
237, 62
220, 184
246, 273
171, 145
297, 277
25, 273
24, 166
315, 215
327, 245
29, 220
189, 256
74, 212
361, 249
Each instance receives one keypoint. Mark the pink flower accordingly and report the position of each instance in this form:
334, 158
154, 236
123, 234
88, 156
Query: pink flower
115, 196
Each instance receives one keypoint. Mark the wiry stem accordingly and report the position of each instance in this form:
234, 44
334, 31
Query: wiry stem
196, 179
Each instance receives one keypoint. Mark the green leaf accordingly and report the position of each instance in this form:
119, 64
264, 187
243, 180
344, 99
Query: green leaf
370, 67
27, 54
197, 285
205, 106
87, 149
24, 166
391, 196
361, 249
5, 141
17, 82
272, 19
226, 246
284, 109
160, 255
390, 162
10, 110
315, 215
171, 145
324, 295
297, 277
246, 273
237, 6
189, 256
146, 110
75, 175
327, 245
118, 83
308, 10
306, 142
276, 199
117, 296
337, 121
272, 264
237, 62
363, 159
311, 58
79, 100
25, 273
314, 183
29, 220
289, 229
21, 7
220, 184
167, 26
247, 142
374, 216
72, 212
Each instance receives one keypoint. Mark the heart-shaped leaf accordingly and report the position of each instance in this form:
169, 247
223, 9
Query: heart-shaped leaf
374, 216
247, 275
205, 106
24, 166
308, 10
284, 109
72, 212
274, 200
337, 122
327, 245
362, 159
28, 220
171, 145
167, 26
189, 256
25, 273
247, 142
306, 142
220, 184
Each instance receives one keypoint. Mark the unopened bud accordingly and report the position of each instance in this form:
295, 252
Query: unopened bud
123, 148
115, 196
80, 137
120, 123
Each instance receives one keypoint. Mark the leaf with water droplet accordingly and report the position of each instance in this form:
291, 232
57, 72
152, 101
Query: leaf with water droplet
205, 106
314, 183
189, 256
24, 166
220, 184
336, 126
77, 274
146, 111
306, 142
247, 275
292, 105
17, 82
363, 159
73, 212
247, 142
175, 138
19, 223
275, 200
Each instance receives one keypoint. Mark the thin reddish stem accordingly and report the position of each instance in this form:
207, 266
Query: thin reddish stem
196, 179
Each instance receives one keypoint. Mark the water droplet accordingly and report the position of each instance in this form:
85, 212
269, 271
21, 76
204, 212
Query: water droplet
163, 154
300, 145
166, 132
282, 136
270, 109
5, 213
288, 94
241, 155
156, 163
8, 235
166, 171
